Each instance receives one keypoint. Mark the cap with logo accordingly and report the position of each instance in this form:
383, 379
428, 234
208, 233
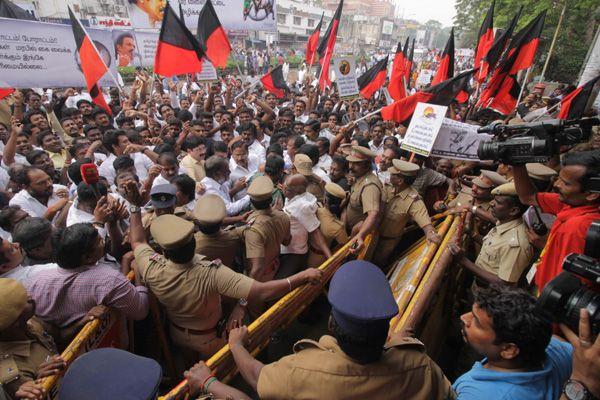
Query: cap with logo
163, 196
508, 189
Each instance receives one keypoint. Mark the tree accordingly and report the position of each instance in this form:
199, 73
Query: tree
575, 36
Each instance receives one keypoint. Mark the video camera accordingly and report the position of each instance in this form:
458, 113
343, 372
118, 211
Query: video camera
563, 297
532, 142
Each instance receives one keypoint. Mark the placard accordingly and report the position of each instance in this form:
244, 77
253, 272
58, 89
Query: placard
458, 141
423, 129
208, 73
40, 54
345, 74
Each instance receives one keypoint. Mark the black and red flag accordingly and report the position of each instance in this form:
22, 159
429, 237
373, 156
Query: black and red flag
4, 92
373, 79
574, 104
91, 63
396, 87
212, 36
485, 37
409, 62
178, 51
495, 52
275, 83
525, 44
313, 42
326, 45
445, 68
441, 94
507, 95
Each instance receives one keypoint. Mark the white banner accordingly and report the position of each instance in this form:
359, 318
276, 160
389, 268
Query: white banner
39, 54
345, 74
423, 129
458, 141
237, 15
208, 73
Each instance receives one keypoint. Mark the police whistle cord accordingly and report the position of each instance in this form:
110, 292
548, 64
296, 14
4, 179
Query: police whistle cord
279, 315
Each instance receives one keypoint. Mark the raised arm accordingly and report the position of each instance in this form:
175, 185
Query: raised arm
525, 188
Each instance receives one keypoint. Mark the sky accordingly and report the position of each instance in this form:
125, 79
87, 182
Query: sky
424, 10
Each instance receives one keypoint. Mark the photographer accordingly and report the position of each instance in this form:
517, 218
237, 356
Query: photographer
575, 207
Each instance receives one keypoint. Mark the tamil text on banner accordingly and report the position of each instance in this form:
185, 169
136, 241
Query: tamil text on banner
237, 15
38, 54
208, 73
423, 129
458, 141
345, 74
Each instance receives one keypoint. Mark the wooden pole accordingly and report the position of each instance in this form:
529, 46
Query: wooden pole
562, 14
523, 85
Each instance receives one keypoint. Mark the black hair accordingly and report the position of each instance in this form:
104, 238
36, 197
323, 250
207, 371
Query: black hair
183, 254
209, 229
174, 121
98, 111
219, 146
246, 110
313, 124
311, 151
82, 101
185, 184
89, 127
274, 165
326, 143
6, 215
87, 193
516, 320
73, 243
191, 142
366, 348
122, 162
341, 160
167, 158
250, 127
409, 180
239, 144
66, 118
275, 148
298, 141
33, 155
361, 140
277, 136
31, 113
184, 115
161, 108
590, 160
334, 204
261, 204
121, 38
111, 138
42, 135
74, 170
164, 147
396, 150
32, 232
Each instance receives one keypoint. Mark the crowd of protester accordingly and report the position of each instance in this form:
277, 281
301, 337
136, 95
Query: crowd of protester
221, 203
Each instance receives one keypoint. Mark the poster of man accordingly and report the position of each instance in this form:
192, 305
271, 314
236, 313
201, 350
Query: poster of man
147, 13
125, 49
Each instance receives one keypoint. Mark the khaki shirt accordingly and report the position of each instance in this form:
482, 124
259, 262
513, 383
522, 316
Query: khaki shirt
365, 195
194, 169
321, 370
191, 293
224, 245
331, 227
265, 232
399, 208
506, 251
20, 360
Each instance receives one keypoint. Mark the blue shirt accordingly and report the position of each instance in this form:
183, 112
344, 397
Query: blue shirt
546, 383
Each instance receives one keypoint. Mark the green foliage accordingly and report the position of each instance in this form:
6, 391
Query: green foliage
580, 22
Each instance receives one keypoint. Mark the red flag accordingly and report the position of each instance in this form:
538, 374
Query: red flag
506, 98
212, 37
4, 92
313, 42
92, 65
178, 51
409, 62
495, 52
574, 104
485, 38
525, 43
441, 94
396, 87
446, 66
373, 79
275, 83
327, 45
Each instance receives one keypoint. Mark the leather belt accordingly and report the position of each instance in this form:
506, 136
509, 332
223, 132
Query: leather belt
195, 331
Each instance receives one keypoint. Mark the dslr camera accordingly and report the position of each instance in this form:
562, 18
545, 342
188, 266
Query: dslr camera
565, 295
532, 142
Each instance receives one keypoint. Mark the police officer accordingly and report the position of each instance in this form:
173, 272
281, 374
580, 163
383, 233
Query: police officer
27, 352
505, 253
354, 362
366, 196
111, 374
403, 202
190, 286
267, 229
162, 199
211, 241
304, 165
331, 226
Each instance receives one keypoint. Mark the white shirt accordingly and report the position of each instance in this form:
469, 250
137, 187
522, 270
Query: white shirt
302, 210
76, 216
24, 274
321, 173
376, 149
238, 172
303, 118
160, 180
257, 150
214, 187
31, 205
141, 162
326, 133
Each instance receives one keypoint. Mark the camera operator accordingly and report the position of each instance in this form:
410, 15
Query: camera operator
575, 207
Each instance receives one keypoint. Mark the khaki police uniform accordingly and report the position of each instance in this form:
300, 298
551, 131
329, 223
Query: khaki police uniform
400, 207
321, 370
20, 360
191, 292
367, 192
303, 165
331, 227
266, 230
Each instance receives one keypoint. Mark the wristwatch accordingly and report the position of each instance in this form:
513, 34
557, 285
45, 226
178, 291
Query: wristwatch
134, 209
243, 302
575, 390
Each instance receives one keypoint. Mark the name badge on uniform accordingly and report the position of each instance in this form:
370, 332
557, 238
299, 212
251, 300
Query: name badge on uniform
8, 369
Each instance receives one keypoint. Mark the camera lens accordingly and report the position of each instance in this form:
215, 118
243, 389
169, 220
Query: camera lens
488, 150
583, 298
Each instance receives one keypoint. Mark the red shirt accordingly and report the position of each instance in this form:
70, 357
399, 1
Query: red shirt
566, 236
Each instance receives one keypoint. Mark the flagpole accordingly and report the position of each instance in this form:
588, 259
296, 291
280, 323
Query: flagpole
523, 85
551, 50
548, 111
245, 90
323, 67
364, 117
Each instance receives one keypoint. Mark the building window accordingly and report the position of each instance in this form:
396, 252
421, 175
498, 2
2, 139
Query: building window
281, 18
311, 22
297, 21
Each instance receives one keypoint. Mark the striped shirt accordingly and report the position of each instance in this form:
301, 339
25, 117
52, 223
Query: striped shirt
63, 296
